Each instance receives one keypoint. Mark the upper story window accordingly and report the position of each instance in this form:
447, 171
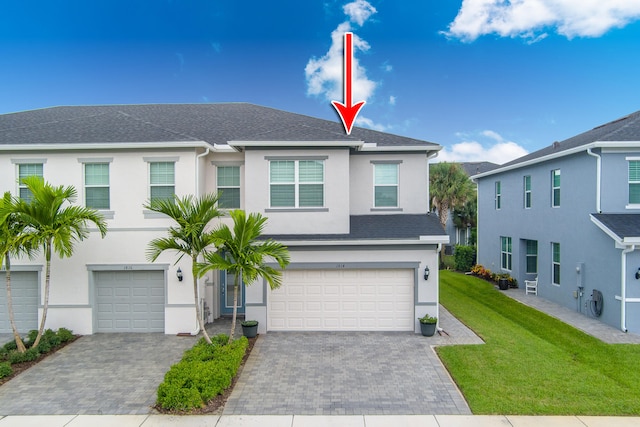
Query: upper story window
506, 254
555, 188
25, 170
96, 185
527, 191
555, 263
296, 183
162, 182
385, 187
634, 182
228, 181
498, 195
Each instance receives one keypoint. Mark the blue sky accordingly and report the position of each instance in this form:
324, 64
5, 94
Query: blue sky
486, 79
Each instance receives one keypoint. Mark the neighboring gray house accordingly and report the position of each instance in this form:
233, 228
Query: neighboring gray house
570, 215
461, 235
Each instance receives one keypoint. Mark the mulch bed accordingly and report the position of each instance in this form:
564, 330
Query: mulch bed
215, 405
19, 368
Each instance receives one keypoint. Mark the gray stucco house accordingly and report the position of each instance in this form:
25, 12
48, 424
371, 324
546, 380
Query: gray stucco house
569, 214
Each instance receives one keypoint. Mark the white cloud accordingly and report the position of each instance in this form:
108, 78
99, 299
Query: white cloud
359, 11
529, 19
392, 100
366, 122
496, 150
325, 75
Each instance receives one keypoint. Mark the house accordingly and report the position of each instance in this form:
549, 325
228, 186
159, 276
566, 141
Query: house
569, 214
352, 209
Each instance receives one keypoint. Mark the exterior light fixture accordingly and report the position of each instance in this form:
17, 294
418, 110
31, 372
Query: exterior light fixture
638, 274
179, 274
426, 273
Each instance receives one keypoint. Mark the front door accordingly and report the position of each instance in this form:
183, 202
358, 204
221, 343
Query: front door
226, 298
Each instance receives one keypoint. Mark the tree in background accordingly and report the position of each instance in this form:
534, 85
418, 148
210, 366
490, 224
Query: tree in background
191, 237
241, 253
54, 224
449, 187
465, 217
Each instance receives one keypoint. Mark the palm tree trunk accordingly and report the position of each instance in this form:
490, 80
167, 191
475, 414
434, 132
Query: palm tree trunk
195, 296
235, 307
45, 307
16, 335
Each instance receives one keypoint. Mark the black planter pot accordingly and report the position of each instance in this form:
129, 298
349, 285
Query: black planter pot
503, 284
250, 331
428, 329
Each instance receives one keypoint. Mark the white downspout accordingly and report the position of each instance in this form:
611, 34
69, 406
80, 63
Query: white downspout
198, 157
598, 177
623, 290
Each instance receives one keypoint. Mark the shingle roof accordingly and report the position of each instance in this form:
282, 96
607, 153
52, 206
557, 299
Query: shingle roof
623, 129
622, 225
379, 227
212, 123
473, 168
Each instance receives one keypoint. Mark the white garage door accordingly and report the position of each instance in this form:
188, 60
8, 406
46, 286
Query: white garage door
343, 300
24, 296
129, 301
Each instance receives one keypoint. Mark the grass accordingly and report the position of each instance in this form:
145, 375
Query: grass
533, 364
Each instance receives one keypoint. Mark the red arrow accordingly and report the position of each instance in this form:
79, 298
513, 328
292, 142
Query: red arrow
347, 111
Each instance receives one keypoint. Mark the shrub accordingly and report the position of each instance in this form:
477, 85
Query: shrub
464, 257
28, 356
205, 371
5, 369
11, 345
51, 337
65, 335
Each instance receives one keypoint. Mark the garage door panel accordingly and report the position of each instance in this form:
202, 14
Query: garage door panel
24, 295
343, 300
129, 301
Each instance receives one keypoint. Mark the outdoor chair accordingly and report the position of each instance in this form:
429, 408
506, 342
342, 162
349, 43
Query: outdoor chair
531, 286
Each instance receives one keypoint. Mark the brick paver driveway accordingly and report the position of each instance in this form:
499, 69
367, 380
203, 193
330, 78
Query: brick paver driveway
97, 374
338, 373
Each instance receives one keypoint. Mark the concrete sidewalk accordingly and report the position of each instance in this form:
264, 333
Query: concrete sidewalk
315, 421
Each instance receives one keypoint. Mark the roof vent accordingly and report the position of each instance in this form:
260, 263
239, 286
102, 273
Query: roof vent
555, 145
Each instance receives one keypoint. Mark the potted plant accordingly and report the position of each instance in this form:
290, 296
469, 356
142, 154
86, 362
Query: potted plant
428, 325
503, 281
249, 328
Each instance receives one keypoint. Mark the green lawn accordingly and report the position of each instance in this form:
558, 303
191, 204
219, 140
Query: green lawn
532, 363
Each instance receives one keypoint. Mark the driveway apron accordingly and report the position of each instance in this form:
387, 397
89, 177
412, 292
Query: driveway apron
344, 373
97, 374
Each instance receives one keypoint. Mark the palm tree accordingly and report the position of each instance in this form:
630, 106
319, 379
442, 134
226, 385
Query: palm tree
241, 253
191, 236
53, 226
450, 187
11, 243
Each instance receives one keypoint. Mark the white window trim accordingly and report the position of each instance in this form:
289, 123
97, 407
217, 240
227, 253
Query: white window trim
397, 185
630, 159
296, 184
553, 187
174, 159
19, 162
553, 263
497, 195
529, 192
239, 186
106, 213
509, 254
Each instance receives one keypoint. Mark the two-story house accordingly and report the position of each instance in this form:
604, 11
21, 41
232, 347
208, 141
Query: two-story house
352, 209
569, 214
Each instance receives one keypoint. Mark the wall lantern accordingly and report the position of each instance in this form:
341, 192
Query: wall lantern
179, 274
426, 273
638, 274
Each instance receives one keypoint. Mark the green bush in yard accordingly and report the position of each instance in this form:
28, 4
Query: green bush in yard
205, 371
28, 356
464, 257
5, 369
65, 335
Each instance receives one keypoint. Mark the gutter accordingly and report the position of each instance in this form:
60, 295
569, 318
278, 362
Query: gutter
197, 169
108, 146
623, 287
598, 177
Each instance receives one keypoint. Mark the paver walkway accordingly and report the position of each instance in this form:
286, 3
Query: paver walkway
350, 373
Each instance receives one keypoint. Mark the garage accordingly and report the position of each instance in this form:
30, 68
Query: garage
24, 295
129, 301
343, 300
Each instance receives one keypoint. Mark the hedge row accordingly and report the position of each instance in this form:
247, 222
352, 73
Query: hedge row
9, 354
205, 371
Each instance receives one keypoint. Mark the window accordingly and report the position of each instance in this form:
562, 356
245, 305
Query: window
296, 183
634, 182
498, 195
385, 192
229, 187
505, 253
532, 257
96, 185
555, 263
25, 170
555, 188
527, 191
161, 180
